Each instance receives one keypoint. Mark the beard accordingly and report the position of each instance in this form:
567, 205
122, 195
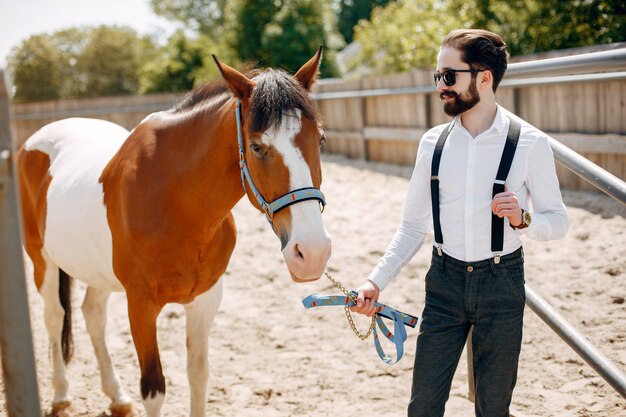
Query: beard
460, 103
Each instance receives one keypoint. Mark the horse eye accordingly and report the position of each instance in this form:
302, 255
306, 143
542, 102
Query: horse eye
256, 148
322, 140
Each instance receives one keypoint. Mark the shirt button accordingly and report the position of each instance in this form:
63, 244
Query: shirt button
470, 268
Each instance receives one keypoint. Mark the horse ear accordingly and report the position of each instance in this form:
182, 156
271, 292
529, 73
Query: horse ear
307, 75
239, 84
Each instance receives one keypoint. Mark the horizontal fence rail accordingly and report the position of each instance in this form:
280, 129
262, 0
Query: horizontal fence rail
589, 62
522, 82
140, 108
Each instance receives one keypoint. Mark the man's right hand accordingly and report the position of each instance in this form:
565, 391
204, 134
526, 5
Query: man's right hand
368, 294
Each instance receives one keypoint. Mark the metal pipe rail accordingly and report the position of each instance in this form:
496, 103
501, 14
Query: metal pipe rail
16, 341
428, 89
589, 171
600, 363
573, 64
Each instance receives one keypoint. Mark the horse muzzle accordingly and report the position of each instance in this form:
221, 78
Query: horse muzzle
306, 260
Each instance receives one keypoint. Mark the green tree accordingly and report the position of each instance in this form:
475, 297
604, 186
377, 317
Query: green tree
175, 66
110, 62
205, 17
78, 62
253, 18
407, 34
531, 26
352, 11
36, 68
286, 33
402, 36
574, 23
70, 44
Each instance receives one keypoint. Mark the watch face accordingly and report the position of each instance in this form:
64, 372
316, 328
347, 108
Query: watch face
527, 217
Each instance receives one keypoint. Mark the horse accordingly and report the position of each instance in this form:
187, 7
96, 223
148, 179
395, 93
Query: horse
148, 212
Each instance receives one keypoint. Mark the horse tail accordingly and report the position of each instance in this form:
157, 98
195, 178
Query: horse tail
65, 296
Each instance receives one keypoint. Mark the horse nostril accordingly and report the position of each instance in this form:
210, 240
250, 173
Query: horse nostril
298, 253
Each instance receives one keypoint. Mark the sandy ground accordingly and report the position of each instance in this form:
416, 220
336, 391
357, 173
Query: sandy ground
270, 357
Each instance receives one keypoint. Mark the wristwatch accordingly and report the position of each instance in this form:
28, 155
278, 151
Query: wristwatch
526, 220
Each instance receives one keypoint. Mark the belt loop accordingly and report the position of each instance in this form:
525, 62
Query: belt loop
493, 266
443, 262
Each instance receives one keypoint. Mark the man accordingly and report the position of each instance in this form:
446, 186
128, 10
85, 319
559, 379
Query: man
484, 195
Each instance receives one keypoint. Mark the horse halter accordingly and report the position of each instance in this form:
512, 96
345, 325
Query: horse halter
292, 197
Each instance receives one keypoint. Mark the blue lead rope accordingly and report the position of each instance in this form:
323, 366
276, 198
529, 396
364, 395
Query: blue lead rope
398, 337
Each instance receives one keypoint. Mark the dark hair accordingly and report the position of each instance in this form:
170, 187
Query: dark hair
481, 49
275, 93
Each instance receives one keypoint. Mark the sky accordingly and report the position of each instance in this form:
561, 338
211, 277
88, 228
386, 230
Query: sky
20, 19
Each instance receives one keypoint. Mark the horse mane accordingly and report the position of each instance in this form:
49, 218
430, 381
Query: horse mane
275, 93
200, 94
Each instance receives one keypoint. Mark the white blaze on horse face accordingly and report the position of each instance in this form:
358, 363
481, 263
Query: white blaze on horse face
308, 248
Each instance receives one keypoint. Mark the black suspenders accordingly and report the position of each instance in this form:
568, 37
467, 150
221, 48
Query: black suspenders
497, 223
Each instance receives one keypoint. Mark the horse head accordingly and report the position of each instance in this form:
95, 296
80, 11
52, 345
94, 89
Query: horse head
280, 138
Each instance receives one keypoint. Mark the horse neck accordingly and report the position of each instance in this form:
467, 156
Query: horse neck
205, 143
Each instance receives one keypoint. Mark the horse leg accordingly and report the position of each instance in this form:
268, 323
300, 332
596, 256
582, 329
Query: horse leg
53, 317
143, 313
95, 312
200, 314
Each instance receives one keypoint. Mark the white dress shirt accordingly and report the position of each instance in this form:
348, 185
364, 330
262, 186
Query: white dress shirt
466, 177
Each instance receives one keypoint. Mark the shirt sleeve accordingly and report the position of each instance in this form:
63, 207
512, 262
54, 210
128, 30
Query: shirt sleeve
416, 222
549, 214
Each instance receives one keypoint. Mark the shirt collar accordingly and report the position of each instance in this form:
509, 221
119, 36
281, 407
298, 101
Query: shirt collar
500, 122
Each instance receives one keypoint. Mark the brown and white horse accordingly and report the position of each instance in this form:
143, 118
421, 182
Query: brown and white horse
149, 213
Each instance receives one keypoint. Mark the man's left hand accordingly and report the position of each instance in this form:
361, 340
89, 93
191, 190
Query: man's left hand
507, 205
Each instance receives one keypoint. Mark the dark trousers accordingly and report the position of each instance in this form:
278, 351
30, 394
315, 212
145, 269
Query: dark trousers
459, 295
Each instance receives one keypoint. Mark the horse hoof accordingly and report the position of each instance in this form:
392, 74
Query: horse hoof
123, 410
61, 409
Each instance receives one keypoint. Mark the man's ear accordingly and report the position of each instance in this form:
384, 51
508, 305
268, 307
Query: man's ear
239, 84
307, 75
485, 78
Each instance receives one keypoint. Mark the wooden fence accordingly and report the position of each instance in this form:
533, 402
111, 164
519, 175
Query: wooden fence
589, 117
126, 111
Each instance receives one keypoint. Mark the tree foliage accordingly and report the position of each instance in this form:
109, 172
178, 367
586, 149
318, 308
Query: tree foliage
110, 62
78, 62
205, 17
402, 36
286, 33
352, 11
175, 70
399, 35
407, 34
183, 63
531, 26
36, 68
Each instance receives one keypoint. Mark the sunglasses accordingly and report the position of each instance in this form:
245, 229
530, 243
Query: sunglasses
449, 76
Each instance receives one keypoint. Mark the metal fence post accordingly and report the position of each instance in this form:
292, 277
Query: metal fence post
16, 342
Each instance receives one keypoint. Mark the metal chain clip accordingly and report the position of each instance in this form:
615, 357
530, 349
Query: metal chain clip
348, 312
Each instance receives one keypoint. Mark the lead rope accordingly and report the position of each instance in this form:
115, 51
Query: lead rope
398, 336
349, 313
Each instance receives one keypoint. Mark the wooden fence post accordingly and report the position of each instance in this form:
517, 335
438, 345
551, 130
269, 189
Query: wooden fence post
16, 341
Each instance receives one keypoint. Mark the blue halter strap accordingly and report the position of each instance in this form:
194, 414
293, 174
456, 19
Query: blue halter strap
292, 197
397, 337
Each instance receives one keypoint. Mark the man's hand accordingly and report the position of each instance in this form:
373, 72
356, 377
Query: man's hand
507, 205
368, 294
